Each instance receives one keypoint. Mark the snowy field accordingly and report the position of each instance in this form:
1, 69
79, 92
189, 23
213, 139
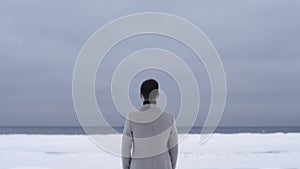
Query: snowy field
222, 151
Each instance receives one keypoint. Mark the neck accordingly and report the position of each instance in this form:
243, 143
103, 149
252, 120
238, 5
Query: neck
149, 102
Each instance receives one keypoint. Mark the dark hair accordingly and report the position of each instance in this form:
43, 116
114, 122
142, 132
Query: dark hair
149, 88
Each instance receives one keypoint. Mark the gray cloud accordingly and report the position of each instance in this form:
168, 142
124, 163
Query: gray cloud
258, 42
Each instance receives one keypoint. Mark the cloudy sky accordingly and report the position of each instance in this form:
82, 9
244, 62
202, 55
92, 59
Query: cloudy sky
258, 42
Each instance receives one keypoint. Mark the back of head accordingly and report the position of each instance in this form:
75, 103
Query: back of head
149, 89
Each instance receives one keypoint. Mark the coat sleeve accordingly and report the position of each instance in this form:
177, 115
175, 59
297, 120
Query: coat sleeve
173, 144
127, 139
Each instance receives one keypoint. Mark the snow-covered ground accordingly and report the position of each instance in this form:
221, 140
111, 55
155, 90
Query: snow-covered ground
248, 151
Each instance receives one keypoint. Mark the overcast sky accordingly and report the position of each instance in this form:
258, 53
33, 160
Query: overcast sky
258, 42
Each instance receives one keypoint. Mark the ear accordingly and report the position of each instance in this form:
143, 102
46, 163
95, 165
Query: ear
141, 96
157, 95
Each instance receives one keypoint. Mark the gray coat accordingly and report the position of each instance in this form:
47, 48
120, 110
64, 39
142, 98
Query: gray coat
159, 152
